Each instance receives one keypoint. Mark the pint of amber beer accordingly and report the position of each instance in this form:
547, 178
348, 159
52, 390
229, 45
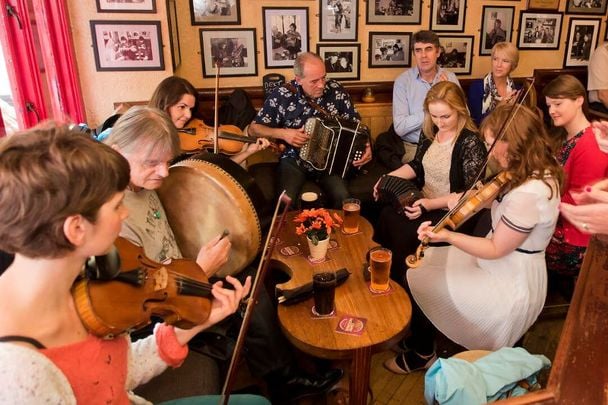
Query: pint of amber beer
351, 210
380, 267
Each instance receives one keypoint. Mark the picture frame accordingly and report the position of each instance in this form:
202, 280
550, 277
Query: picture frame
235, 48
389, 49
208, 12
543, 5
496, 26
342, 62
285, 35
338, 20
126, 6
399, 12
456, 53
127, 45
583, 36
541, 31
448, 15
597, 7
176, 53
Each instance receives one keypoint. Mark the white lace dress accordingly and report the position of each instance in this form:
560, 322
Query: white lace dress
488, 304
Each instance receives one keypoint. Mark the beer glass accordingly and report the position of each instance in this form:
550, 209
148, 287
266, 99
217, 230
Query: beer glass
309, 200
324, 290
351, 210
380, 268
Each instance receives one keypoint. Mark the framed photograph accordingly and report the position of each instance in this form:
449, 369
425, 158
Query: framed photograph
448, 15
456, 53
126, 6
393, 12
338, 20
285, 35
341, 61
583, 34
496, 26
215, 12
389, 49
539, 30
127, 45
176, 54
543, 4
234, 50
589, 7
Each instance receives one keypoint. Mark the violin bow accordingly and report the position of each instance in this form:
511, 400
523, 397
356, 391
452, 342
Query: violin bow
271, 241
218, 64
413, 260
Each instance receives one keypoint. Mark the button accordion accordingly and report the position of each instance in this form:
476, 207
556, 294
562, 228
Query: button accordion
334, 144
398, 192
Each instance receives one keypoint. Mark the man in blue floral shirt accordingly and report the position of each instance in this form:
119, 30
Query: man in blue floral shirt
283, 117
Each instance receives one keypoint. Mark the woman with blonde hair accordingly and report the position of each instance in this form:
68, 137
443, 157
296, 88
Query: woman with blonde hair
497, 87
485, 292
448, 159
584, 163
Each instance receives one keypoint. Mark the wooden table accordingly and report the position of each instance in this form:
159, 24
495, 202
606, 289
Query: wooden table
388, 316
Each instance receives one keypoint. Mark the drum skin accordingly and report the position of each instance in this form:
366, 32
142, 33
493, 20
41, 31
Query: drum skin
201, 199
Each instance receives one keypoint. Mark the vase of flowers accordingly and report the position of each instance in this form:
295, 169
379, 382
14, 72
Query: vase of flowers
317, 225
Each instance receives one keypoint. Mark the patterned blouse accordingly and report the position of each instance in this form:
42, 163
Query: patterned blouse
285, 109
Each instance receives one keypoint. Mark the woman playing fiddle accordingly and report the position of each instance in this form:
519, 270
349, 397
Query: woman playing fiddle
178, 98
449, 157
577, 150
62, 196
485, 292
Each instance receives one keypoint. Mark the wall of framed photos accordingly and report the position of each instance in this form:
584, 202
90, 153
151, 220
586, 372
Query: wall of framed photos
547, 38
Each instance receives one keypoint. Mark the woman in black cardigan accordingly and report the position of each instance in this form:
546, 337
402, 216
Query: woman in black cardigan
449, 157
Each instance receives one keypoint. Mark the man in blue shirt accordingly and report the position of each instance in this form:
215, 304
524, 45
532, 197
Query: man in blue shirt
284, 114
411, 87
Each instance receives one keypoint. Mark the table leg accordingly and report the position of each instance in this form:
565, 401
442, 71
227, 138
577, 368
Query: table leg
359, 376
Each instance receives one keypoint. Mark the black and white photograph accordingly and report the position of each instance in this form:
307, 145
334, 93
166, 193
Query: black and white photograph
539, 30
126, 6
393, 12
338, 20
232, 50
582, 40
127, 45
448, 15
589, 7
389, 49
341, 61
215, 12
496, 26
456, 53
285, 35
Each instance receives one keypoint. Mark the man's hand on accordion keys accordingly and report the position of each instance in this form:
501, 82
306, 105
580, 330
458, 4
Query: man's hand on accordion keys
295, 136
417, 208
366, 158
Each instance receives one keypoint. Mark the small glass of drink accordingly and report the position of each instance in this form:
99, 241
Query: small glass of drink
324, 290
309, 200
380, 268
351, 210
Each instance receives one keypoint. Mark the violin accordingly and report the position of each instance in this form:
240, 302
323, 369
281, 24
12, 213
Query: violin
178, 292
469, 205
198, 135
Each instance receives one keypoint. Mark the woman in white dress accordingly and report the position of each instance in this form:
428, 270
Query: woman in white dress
484, 293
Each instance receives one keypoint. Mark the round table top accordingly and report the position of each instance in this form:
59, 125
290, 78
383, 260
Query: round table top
386, 316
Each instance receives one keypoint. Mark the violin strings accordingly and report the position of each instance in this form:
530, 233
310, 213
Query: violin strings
190, 282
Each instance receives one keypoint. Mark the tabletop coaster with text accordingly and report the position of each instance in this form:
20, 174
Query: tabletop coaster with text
277, 241
315, 261
333, 244
290, 251
352, 234
351, 325
388, 291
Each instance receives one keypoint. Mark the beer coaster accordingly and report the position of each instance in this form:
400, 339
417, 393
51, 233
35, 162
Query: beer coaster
333, 244
351, 234
318, 261
314, 315
276, 240
351, 325
386, 292
290, 251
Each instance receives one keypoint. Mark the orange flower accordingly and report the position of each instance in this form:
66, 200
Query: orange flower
317, 224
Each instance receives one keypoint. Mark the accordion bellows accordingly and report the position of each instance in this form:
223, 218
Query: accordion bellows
398, 192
